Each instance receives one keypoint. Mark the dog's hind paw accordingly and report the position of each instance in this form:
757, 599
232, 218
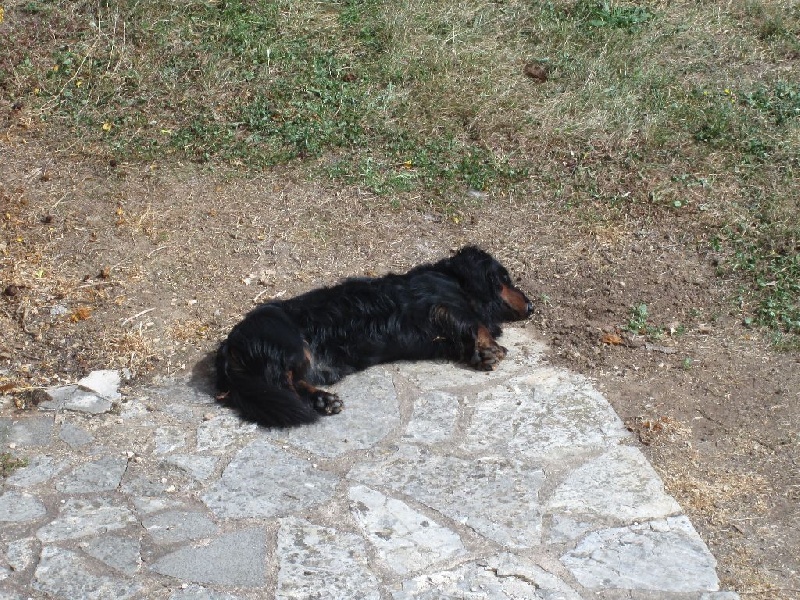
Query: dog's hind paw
326, 403
487, 358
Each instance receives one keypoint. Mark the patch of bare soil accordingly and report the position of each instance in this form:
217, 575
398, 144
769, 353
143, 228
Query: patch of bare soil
114, 265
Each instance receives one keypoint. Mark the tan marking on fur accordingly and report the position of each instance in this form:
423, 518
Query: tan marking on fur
515, 299
484, 338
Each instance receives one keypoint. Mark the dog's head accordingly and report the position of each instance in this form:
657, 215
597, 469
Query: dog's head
488, 283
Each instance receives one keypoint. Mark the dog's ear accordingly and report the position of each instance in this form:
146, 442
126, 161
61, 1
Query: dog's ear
477, 274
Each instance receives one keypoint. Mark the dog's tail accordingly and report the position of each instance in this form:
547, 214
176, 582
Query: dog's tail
250, 379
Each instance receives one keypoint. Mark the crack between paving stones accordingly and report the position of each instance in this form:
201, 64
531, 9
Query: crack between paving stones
125, 472
509, 575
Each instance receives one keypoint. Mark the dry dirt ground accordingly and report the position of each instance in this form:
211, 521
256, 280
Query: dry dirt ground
139, 267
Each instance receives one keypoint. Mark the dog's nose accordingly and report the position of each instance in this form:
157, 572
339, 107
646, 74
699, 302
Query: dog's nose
529, 306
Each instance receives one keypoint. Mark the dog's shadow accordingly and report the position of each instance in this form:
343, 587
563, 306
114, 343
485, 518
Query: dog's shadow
203, 377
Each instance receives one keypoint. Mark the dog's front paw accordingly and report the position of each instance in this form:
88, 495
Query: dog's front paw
326, 403
486, 358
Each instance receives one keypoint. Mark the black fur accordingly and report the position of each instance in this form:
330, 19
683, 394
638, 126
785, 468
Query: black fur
272, 360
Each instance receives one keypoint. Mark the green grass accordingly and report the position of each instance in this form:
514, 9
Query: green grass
253, 83
638, 322
9, 463
688, 110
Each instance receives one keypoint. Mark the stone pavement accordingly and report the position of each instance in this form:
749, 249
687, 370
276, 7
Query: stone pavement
435, 482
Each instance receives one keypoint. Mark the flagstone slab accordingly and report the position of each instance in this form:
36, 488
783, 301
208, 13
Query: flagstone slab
38, 470
405, 539
84, 517
371, 412
264, 481
502, 577
99, 475
21, 553
495, 496
234, 559
197, 466
122, 554
179, 526
75, 436
433, 419
65, 574
27, 431
546, 415
664, 555
322, 563
620, 484
19, 507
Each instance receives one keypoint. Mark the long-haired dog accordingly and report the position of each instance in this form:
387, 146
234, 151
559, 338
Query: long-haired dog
272, 361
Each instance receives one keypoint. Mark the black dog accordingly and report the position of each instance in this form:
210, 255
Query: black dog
272, 360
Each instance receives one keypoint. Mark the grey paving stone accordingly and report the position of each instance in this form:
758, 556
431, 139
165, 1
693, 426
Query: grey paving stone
179, 391
120, 553
65, 574
9, 594
564, 528
322, 563
433, 419
198, 592
222, 431
38, 470
58, 396
548, 585
80, 398
263, 481
169, 438
371, 412
75, 436
234, 559
495, 496
132, 409
664, 555
179, 526
83, 517
619, 484
22, 553
500, 578
20, 507
27, 431
524, 354
197, 466
182, 412
405, 539
148, 492
99, 475
104, 383
549, 414
80, 401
